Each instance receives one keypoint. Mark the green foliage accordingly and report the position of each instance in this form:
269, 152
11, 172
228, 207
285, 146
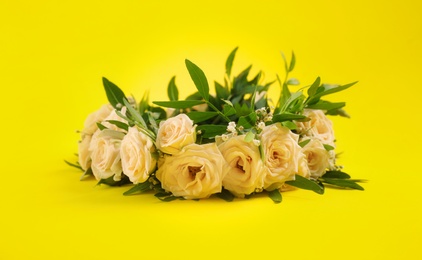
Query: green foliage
275, 195
306, 184
114, 94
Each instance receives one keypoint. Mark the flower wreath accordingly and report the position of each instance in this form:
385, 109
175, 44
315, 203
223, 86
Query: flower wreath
235, 143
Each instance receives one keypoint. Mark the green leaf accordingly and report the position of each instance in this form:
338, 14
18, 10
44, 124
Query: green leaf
225, 195
313, 88
286, 66
228, 110
101, 126
306, 184
77, 166
172, 91
292, 62
139, 188
304, 143
328, 147
119, 124
343, 183
114, 94
336, 175
275, 195
229, 61
289, 124
210, 131
247, 121
181, 104
338, 112
111, 182
327, 90
222, 92
249, 137
288, 117
86, 174
197, 116
199, 79
135, 114
293, 81
326, 105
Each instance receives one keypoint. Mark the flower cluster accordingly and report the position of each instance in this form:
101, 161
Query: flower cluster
231, 144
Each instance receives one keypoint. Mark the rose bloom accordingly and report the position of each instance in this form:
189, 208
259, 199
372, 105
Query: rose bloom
84, 155
136, 155
318, 158
196, 172
90, 124
175, 133
105, 155
319, 126
246, 169
282, 155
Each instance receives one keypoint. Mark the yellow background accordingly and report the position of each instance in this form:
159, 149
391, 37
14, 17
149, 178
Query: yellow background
54, 53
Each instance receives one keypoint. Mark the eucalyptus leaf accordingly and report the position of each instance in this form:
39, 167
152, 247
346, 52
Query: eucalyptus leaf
229, 61
275, 195
172, 91
180, 104
199, 79
197, 116
336, 175
306, 184
114, 94
139, 188
344, 183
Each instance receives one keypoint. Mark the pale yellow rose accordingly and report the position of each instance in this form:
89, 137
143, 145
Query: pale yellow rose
136, 155
317, 156
246, 169
175, 133
83, 152
105, 154
319, 126
196, 172
113, 116
90, 124
282, 155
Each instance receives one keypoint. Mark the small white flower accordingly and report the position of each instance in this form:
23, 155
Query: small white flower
261, 125
224, 137
231, 127
256, 142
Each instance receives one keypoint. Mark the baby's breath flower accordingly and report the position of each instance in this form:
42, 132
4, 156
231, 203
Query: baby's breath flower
231, 127
261, 125
224, 137
256, 142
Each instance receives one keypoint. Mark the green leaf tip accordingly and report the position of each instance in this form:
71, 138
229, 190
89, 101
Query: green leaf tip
199, 79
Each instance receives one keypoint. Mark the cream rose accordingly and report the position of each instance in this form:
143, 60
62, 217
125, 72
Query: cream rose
83, 152
105, 154
319, 126
175, 133
136, 155
195, 172
282, 155
90, 124
318, 158
246, 169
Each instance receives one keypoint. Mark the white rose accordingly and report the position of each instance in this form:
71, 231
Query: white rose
90, 124
105, 155
195, 172
175, 133
136, 155
319, 126
318, 158
246, 170
282, 155
84, 153
113, 116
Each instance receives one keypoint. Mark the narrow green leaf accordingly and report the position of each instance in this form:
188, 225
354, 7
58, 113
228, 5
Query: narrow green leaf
199, 79
179, 104
247, 121
139, 188
292, 62
172, 91
343, 183
286, 66
221, 92
114, 94
313, 88
229, 61
289, 124
304, 143
197, 116
306, 184
336, 175
225, 195
77, 166
288, 117
338, 112
326, 105
327, 90
86, 174
210, 131
119, 124
328, 147
275, 195
111, 182
101, 126
249, 137
135, 114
